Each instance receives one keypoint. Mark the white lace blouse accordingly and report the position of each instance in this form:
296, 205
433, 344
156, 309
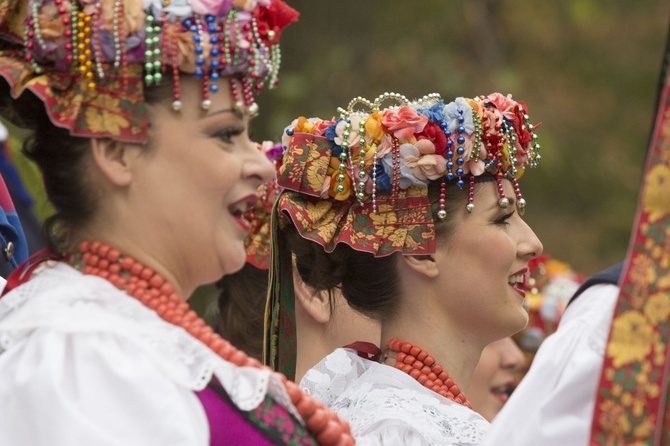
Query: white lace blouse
83, 363
388, 407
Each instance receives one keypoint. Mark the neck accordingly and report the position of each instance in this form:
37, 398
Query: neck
440, 338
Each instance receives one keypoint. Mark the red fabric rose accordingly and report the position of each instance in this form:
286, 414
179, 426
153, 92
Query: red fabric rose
273, 19
434, 134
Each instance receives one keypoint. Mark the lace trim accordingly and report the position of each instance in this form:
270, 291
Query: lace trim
61, 298
380, 402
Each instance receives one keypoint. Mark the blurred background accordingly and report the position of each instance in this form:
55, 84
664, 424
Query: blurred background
587, 70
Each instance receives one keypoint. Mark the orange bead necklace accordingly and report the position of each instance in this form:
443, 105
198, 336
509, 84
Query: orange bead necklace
150, 288
421, 366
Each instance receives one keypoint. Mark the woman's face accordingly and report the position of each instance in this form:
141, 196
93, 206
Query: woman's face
191, 186
483, 267
495, 377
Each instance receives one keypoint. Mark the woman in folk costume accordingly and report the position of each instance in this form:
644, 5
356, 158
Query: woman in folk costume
413, 213
140, 113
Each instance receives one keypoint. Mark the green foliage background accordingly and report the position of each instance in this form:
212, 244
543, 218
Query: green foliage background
587, 69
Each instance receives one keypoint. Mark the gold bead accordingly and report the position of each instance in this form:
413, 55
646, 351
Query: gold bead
91, 85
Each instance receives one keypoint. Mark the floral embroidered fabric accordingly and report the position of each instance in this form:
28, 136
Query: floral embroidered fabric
386, 406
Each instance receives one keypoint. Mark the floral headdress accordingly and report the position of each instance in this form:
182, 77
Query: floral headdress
89, 61
362, 179
258, 242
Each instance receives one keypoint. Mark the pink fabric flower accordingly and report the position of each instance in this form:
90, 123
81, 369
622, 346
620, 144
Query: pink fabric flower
384, 146
473, 168
504, 103
404, 122
421, 160
213, 7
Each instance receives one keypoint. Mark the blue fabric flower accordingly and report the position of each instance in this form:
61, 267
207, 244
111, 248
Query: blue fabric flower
434, 113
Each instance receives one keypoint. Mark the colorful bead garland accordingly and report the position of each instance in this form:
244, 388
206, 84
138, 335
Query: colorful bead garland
150, 288
421, 366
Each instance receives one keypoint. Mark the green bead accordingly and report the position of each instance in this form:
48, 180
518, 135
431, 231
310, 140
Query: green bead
340, 188
538, 157
148, 79
148, 54
361, 174
157, 29
361, 153
344, 145
149, 66
361, 185
535, 137
343, 156
150, 18
342, 167
158, 77
156, 40
537, 147
157, 64
360, 195
345, 135
340, 177
361, 164
157, 52
362, 142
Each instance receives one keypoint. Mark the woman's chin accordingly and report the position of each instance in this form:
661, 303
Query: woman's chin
233, 258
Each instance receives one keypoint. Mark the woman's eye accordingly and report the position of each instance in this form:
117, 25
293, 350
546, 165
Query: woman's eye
227, 135
502, 220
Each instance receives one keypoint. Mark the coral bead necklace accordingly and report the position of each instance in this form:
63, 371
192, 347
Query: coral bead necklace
150, 288
421, 366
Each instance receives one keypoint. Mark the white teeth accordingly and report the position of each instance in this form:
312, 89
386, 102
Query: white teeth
517, 278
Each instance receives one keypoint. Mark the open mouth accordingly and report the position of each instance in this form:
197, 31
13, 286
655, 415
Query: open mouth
502, 393
240, 209
519, 281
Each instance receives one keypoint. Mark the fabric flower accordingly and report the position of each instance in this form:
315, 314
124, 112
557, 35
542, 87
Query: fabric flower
384, 146
272, 18
422, 161
353, 138
374, 128
434, 134
503, 103
404, 122
434, 113
346, 193
51, 26
453, 110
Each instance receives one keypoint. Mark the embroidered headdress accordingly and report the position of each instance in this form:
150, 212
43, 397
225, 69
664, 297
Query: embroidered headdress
362, 179
90, 61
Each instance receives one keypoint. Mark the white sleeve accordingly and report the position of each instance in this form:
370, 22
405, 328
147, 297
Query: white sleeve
554, 403
92, 389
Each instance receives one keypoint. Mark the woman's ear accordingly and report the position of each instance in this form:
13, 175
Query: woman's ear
316, 304
114, 159
422, 264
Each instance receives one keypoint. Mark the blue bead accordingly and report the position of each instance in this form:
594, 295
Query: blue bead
450, 165
196, 38
213, 88
444, 126
214, 52
213, 40
459, 172
289, 132
461, 119
450, 143
448, 133
214, 64
211, 29
461, 129
348, 121
198, 50
194, 29
450, 154
459, 161
187, 23
460, 112
199, 61
209, 18
450, 176
461, 139
214, 76
459, 183
198, 72
460, 150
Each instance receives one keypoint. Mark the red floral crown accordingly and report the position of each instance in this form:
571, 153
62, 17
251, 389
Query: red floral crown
90, 60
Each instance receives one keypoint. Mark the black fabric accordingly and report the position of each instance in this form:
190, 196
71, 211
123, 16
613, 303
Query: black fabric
610, 276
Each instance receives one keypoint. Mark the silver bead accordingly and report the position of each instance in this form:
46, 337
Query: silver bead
521, 203
503, 202
206, 104
469, 207
176, 105
441, 214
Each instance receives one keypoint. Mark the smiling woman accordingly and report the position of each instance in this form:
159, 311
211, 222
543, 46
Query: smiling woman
412, 213
140, 112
